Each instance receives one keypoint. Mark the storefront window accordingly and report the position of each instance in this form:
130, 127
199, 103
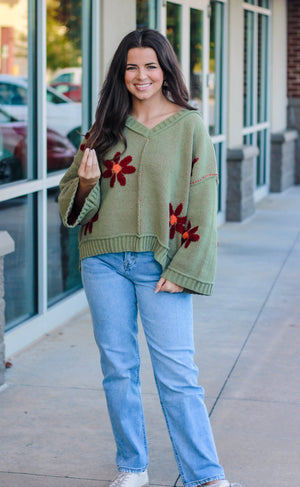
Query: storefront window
215, 69
18, 218
248, 67
196, 57
146, 14
174, 27
62, 251
64, 73
13, 92
262, 68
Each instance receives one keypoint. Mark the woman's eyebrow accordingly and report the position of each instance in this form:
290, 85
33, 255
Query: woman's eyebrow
146, 64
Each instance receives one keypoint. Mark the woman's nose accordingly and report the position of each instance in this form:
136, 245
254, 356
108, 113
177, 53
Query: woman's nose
142, 73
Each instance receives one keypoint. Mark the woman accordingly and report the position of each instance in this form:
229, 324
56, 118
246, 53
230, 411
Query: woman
143, 187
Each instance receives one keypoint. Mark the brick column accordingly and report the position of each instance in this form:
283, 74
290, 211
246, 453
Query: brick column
7, 246
293, 75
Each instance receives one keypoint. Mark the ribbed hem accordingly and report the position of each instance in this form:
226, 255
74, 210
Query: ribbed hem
188, 283
148, 243
125, 243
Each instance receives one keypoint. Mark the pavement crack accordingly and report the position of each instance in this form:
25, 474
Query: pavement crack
290, 251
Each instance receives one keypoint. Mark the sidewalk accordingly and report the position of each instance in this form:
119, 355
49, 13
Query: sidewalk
54, 428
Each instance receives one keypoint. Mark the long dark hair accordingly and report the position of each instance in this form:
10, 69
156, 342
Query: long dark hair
115, 101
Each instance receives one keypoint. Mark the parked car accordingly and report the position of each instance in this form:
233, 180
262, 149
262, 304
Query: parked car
67, 75
70, 90
63, 115
13, 149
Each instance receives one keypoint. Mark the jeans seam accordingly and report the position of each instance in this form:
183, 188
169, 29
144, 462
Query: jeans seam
142, 418
169, 430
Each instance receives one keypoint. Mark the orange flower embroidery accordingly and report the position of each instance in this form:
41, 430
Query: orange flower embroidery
116, 169
176, 222
190, 235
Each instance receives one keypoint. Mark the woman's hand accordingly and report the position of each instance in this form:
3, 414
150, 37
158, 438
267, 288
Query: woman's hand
89, 174
167, 286
89, 171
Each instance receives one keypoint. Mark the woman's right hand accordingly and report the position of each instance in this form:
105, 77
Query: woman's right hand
89, 170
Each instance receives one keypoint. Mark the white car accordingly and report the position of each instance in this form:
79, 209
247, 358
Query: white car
63, 115
67, 75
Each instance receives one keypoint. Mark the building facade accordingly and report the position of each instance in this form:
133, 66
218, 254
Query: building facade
54, 55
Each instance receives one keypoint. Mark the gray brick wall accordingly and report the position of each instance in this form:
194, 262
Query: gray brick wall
6, 246
240, 183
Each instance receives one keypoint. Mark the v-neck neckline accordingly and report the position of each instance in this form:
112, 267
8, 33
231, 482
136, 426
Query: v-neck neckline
139, 127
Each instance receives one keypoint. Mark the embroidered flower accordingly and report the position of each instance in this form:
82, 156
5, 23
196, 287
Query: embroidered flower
82, 147
88, 227
193, 163
117, 169
176, 222
87, 135
190, 235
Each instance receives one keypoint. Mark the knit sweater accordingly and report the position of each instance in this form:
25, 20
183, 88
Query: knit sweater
159, 195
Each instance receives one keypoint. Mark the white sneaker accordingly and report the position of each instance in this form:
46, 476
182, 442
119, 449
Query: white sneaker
130, 479
225, 483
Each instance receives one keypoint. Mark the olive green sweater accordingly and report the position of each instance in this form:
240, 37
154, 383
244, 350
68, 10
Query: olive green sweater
159, 195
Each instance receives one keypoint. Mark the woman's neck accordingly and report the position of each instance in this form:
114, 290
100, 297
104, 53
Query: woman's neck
150, 114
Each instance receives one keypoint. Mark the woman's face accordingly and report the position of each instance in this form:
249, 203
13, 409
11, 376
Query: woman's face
143, 74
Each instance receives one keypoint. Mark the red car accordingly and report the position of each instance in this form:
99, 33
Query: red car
13, 150
70, 90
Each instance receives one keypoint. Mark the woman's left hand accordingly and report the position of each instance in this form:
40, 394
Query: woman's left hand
167, 286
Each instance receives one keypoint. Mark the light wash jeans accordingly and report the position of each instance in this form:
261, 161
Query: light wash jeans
116, 286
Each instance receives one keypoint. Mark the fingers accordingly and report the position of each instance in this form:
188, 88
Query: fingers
159, 285
89, 171
164, 285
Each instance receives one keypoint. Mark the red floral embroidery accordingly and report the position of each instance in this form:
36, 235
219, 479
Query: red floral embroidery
193, 163
88, 227
176, 222
82, 147
190, 235
117, 169
87, 135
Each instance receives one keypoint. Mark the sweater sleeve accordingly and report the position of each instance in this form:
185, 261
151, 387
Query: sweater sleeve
194, 264
68, 188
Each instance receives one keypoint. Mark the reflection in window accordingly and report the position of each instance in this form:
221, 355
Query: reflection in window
215, 69
16, 217
196, 57
146, 14
262, 68
13, 91
174, 27
64, 62
63, 259
248, 67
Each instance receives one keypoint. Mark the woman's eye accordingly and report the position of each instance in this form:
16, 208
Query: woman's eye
130, 68
152, 67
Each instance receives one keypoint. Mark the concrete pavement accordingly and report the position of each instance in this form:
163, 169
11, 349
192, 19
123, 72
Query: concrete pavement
54, 428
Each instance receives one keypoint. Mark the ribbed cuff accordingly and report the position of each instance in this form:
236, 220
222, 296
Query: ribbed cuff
189, 284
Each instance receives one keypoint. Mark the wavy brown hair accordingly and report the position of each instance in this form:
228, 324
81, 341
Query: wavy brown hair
115, 101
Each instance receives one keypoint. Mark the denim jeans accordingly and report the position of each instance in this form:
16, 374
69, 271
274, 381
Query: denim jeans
117, 285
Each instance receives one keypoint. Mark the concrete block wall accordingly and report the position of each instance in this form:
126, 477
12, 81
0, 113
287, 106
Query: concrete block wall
240, 183
6, 246
283, 149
